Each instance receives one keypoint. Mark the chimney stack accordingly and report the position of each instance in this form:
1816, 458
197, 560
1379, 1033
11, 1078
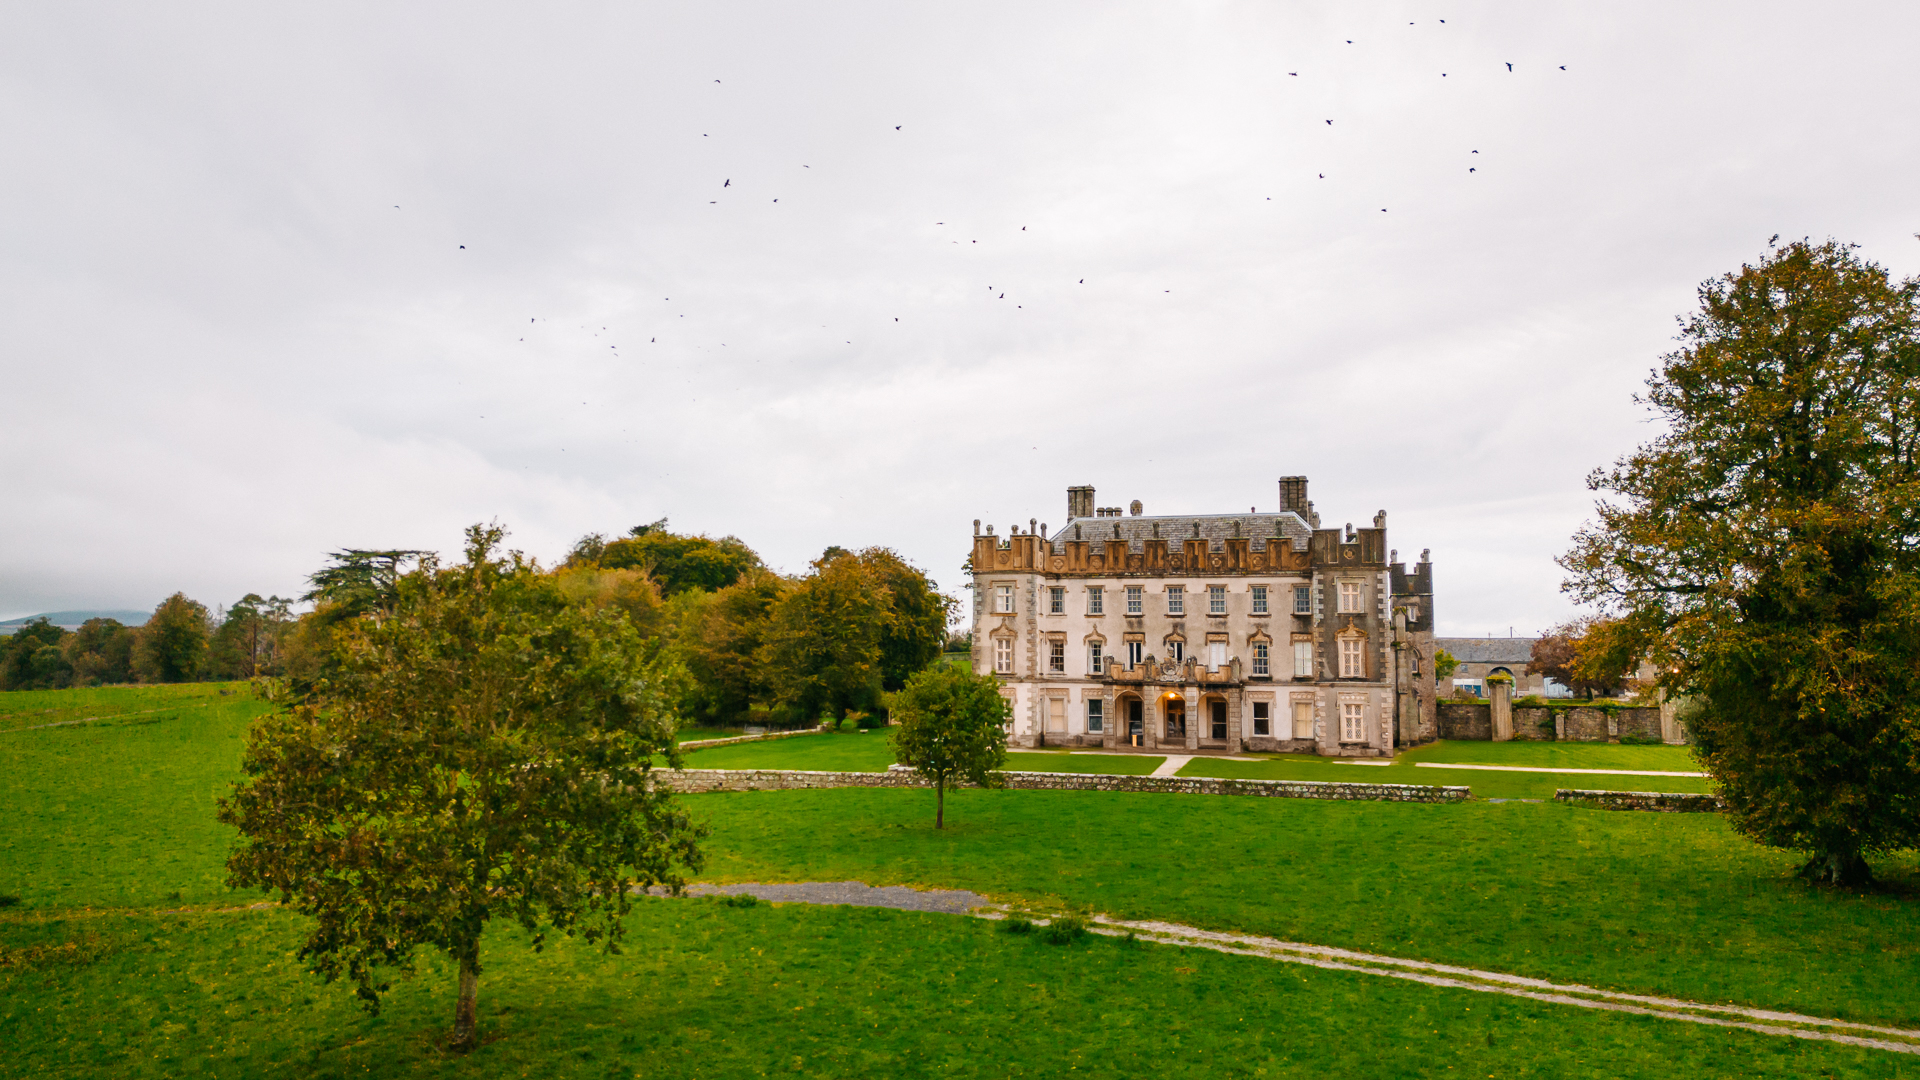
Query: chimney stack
1080, 501
1293, 495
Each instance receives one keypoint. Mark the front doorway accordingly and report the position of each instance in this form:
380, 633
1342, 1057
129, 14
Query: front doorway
1176, 712
1136, 724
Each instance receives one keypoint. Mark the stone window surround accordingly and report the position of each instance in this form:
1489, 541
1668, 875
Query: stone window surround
1261, 697
1356, 637
1096, 600
1004, 602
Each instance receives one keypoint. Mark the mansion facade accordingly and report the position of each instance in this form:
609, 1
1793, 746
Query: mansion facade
1207, 633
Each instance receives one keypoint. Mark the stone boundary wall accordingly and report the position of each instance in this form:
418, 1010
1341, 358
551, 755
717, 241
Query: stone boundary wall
702, 744
1467, 720
1474, 721
699, 781
1666, 802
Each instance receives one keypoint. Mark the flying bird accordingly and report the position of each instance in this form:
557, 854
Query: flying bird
1563, 67
1473, 170
1509, 67
1083, 281
463, 247
1323, 176
1295, 74
896, 127
729, 182
1329, 123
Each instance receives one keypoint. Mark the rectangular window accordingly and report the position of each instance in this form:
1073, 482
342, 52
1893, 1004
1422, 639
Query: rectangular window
1353, 660
1135, 604
1262, 722
1096, 715
1176, 599
1096, 600
1353, 722
1216, 655
1096, 664
1303, 659
1057, 657
1056, 601
1176, 651
1217, 719
1259, 599
1260, 660
1133, 655
1003, 656
1350, 597
1216, 599
1303, 719
1057, 716
1003, 599
1302, 600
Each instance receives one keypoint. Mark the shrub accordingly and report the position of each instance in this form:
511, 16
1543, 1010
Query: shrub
741, 900
1017, 924
1064, 930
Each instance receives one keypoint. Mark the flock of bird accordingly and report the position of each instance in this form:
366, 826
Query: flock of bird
1000, 293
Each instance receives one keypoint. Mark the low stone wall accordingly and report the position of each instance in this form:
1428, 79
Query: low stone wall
1469, 720
1458, 720
1666, 802
698, 781
702, 744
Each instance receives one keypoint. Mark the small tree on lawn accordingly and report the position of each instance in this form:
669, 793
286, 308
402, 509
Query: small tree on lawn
951, 726
481, 748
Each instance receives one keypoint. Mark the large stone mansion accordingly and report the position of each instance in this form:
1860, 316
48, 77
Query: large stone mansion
1206, 633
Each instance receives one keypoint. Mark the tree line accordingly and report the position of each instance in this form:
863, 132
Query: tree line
181, 641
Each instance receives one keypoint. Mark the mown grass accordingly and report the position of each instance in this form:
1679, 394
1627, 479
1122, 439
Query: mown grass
120, 815
703, 989
1660, 903
1486, 784
869, 751
120, 811
21, 709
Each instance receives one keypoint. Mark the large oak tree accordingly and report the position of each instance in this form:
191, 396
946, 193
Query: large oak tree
1765, 550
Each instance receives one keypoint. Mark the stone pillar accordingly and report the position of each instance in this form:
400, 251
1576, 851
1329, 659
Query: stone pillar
1501, 694
1670, 731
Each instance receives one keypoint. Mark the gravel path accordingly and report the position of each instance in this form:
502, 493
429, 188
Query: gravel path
858, 894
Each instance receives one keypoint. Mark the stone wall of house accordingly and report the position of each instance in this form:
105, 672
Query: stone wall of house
1465, 721
698, 781
1660, 801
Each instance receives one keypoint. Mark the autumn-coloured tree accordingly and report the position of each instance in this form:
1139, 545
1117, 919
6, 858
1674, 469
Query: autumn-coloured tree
1764, 551
1582, 655
481, 747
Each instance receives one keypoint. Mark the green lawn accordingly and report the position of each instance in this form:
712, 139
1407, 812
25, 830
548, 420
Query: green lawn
707, 990
1660, 903
118, 814
120, 811
1067, 761
36, 708
1486, 784
870, 751
833, 751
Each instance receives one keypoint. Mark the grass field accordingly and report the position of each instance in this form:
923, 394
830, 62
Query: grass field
869, 751
106, 826
707, 990
1485, 783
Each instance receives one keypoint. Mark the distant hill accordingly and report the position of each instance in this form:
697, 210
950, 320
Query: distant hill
72, 619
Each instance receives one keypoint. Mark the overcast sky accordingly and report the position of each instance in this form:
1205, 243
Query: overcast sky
282, 279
